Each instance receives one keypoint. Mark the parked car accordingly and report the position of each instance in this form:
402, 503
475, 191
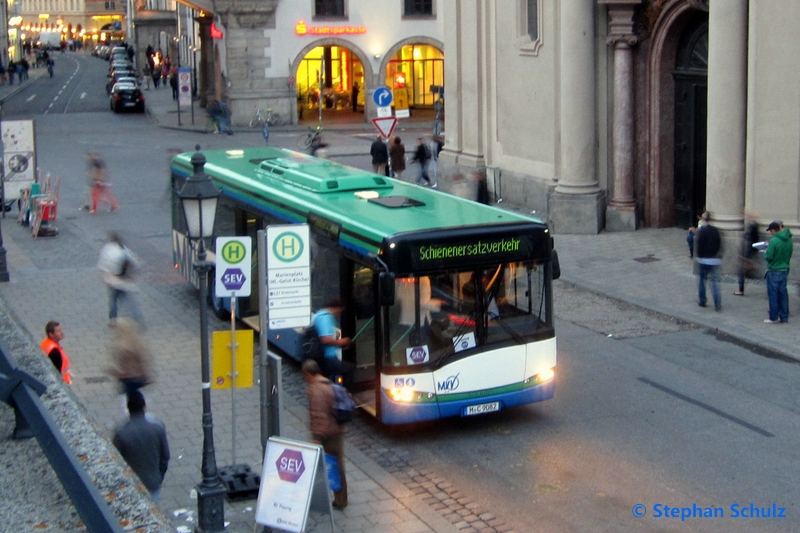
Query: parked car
119, 64
126, 96
118, 75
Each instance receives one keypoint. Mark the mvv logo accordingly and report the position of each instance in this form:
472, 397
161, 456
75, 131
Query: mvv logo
448, 385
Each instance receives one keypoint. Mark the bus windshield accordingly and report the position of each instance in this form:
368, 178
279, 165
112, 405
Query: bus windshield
444, 316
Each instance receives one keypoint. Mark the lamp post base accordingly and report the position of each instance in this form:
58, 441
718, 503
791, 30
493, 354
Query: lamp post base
4, 276
210, 508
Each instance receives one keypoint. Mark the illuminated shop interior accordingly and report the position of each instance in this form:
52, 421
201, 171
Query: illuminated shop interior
412, 70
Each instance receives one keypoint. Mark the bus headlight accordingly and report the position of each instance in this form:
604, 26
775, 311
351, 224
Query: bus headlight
404, 394
544, 375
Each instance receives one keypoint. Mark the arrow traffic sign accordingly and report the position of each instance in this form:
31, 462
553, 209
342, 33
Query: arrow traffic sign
382, 96
385, 125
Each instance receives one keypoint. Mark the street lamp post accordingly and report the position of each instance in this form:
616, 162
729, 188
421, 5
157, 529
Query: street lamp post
4, 276
199, 200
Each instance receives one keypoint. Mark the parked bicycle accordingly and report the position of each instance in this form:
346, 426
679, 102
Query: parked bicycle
310, 139
270, 118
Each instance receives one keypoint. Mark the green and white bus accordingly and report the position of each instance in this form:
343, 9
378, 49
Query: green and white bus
449, 301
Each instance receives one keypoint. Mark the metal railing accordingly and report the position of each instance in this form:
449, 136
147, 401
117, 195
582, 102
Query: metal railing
21, 391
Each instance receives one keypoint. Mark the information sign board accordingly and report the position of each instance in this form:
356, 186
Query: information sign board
288, 276
19, 141
184, 87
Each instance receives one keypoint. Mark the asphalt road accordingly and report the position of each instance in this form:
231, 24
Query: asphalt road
648, 410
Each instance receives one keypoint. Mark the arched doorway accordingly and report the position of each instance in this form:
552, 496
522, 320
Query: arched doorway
691, 109
330, 79
413, 70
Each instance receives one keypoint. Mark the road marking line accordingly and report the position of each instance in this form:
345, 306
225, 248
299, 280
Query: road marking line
707, 407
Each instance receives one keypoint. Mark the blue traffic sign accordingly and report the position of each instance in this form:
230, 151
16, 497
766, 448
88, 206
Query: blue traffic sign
382, 96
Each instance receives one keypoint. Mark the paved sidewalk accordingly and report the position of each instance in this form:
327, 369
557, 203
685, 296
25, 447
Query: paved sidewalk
651, 269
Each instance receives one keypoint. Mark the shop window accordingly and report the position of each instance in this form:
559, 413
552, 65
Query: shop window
415, 8
530, 29
329, 8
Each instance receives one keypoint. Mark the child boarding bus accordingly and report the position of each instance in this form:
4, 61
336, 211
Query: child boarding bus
449, 301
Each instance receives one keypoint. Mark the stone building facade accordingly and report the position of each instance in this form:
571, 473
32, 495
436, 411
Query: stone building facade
263, 56
618, 114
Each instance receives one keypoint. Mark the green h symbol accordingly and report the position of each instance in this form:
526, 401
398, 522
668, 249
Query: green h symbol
288, 244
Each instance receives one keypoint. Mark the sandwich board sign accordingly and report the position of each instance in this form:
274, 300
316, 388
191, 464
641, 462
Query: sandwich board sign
293, 482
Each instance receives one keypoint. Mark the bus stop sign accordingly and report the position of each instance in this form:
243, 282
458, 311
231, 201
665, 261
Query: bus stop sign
233, 266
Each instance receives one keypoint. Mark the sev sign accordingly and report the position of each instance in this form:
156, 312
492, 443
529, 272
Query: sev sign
293, 481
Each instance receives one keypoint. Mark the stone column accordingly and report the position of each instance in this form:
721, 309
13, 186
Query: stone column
621, 211
577, 205
727, 113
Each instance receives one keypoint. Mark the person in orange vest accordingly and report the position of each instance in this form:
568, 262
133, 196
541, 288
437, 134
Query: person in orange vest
51, 346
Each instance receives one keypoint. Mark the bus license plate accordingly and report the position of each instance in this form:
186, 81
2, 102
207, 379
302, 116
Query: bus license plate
482, 408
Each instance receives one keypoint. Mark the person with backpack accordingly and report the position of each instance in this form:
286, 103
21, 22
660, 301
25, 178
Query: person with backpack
325, 323
325, 430
422, 155
117, 265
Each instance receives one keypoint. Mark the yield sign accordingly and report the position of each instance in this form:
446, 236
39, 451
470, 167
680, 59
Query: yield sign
385, 125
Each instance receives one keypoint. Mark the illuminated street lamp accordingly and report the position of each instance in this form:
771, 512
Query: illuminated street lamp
199, 201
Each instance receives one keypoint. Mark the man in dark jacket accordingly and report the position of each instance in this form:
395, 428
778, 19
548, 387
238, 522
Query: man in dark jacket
142, 442
380, 156
422, 155
708, 248
778, 255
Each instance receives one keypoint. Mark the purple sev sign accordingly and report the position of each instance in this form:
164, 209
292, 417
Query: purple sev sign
290, 465
416, 355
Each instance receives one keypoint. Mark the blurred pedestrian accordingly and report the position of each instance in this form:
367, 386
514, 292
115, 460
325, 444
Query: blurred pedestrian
422, 156
51, 346
462, 187
12, 69
156, 75
101, 185
130, 355
354, 99
220, 117
778, 256
708, 252
117, 265
397, 155
481, 188
173, 82
690, 240
380, 155
147, 73
142, 442
325, 430
748, 254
